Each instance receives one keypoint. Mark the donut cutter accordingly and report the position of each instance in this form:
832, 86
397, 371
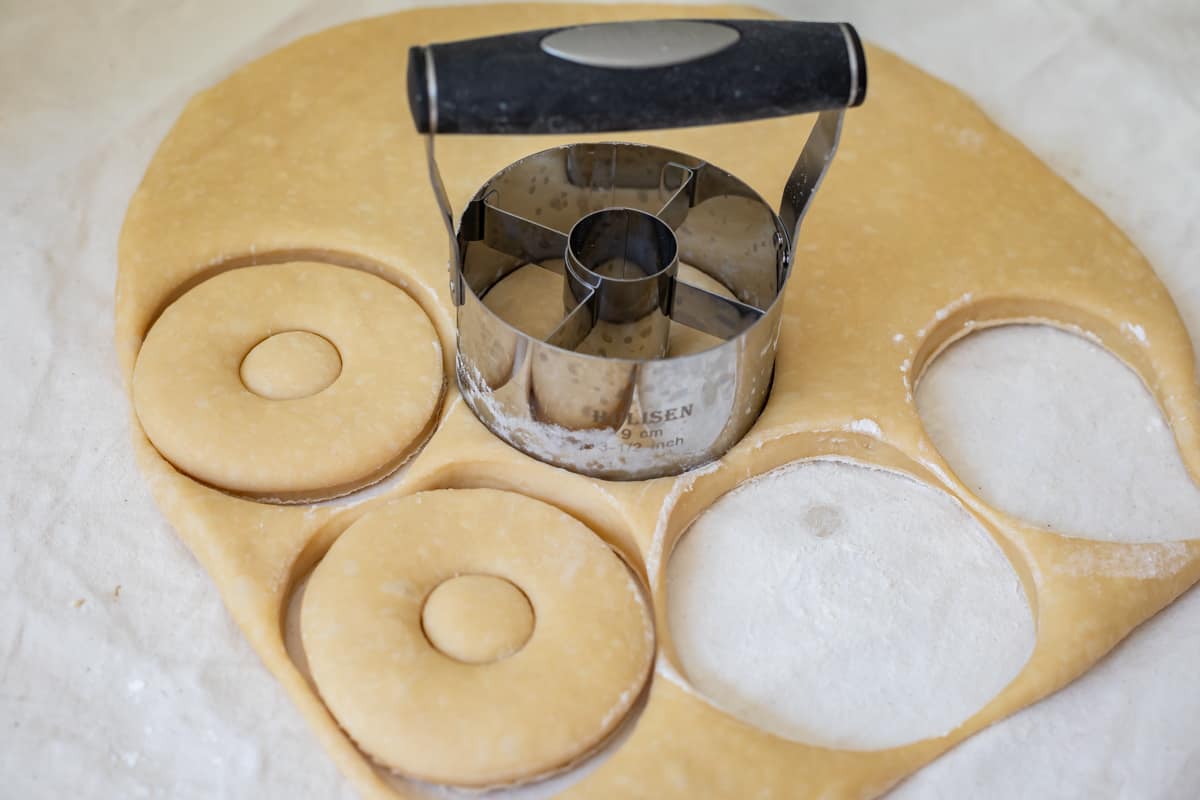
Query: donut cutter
603, 394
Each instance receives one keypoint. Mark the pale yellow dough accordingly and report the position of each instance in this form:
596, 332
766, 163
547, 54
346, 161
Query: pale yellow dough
290, 381
426, 714
931, 223
290, 365
477, 619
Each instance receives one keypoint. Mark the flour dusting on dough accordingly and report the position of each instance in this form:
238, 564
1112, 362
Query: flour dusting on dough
868, 427
1134, 330
1144, 561
945, 311
548, 441
681, 486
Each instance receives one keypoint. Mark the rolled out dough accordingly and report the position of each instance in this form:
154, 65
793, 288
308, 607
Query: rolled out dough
931, 224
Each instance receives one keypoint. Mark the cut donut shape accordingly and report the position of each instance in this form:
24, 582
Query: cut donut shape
296, 381
431, 702
845, 607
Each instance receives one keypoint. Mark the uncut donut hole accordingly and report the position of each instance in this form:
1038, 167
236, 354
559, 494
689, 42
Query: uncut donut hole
845, 606
290, 365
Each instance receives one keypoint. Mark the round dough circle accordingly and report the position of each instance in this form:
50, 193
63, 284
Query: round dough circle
477, 619
190, 397
429, 716
845, 607
291, 365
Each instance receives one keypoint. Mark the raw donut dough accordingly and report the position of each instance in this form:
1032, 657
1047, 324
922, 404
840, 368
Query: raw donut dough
530, 298
477, 619
931, 223
845, 607
685, 340
290, 365
443, 719
227, 401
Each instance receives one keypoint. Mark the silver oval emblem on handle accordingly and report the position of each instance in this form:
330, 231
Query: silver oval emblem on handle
639, 45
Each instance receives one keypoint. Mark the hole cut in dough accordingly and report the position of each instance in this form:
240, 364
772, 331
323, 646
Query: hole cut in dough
291, 365
477, 619
1055, 430
843, 606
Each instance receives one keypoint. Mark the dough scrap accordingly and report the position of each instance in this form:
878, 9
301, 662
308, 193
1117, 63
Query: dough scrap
437, 718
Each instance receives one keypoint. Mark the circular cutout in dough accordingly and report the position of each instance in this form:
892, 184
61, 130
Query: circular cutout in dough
427, 715
290, 365
1055, 430
477, 619
845, 607
270, 329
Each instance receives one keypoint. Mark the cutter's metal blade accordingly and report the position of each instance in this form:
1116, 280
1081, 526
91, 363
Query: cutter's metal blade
711, 313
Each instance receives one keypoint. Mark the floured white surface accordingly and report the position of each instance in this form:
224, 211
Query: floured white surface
154, 693
845, 607
1004, 408
1127, 729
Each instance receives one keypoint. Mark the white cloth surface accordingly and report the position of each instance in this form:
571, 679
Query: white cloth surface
151, 691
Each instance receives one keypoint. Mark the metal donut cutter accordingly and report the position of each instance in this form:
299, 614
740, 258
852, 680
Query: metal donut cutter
601, 394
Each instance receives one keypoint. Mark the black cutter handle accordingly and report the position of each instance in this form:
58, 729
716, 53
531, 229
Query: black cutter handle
529, 82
